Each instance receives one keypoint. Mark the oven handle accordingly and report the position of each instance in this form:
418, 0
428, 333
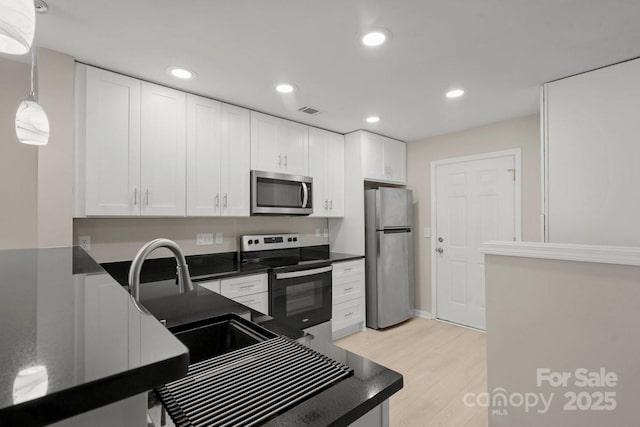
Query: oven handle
303, 273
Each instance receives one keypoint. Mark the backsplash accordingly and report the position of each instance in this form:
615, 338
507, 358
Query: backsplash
119, 239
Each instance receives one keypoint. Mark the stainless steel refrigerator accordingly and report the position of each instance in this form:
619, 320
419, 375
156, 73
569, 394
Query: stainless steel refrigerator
389, 256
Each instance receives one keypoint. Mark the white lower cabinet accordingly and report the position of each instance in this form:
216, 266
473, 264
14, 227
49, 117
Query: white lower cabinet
348, 305
213, 285
251, 291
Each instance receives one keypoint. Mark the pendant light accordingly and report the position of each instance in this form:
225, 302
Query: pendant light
32, 124
17, 26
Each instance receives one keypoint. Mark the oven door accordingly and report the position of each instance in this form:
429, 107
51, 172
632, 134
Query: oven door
302, 298
280, 194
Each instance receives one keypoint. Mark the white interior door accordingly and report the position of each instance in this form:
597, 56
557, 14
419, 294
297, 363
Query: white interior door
475, 201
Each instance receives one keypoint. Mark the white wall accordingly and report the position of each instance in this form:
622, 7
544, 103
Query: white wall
523, 133
592, 129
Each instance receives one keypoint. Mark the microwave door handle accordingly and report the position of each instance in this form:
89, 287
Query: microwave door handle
305, 194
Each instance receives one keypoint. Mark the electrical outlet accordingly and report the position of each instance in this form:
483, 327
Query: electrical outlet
219, 237
318, 232
204, 239
326, 232
84, 242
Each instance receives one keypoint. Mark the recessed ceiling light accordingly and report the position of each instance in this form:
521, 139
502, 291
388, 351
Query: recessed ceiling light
181, 73
375, 37
372, 119
455, 93
285, 88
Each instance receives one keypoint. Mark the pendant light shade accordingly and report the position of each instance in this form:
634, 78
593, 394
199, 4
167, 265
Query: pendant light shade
32, 123
17, 26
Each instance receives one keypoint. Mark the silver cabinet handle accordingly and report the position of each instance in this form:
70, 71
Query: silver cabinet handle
349, 314
285, 161
147, 197
217, 200
326, 205
348, 289
439, 250
279, 160
135, 197
224, 200
347, 269
330, 205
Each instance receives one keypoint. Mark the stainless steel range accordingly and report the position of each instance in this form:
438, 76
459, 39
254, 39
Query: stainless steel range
299, 288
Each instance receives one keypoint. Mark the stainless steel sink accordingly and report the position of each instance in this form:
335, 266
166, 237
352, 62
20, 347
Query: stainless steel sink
219, 335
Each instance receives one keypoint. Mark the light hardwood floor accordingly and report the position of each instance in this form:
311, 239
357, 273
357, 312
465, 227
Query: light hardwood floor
440, 363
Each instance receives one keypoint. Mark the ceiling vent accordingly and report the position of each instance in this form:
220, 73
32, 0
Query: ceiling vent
309, 110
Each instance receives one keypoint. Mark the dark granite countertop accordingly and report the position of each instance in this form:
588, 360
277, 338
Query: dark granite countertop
71, 338
341, 404
213, 266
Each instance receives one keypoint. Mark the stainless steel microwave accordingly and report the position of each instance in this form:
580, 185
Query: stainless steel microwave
280, 194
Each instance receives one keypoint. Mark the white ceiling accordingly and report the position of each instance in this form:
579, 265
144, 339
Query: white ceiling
500, 51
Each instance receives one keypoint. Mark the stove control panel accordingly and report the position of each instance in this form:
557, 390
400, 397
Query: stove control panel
263, 242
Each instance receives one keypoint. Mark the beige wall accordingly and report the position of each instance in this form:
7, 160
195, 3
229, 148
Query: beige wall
115, 239
562, 315
55, 160
18, 163
523, 133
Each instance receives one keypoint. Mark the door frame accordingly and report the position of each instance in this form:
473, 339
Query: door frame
516, 153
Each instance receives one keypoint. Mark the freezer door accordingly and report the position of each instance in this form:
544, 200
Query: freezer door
394, 206
395, 276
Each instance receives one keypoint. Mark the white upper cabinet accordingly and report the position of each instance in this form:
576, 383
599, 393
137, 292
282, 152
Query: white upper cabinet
109, 141
383, 159
235, 161
163, 142
326, 167
203, 157
279, 145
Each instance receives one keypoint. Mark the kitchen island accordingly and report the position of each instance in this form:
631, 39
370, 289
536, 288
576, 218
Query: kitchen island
78, 343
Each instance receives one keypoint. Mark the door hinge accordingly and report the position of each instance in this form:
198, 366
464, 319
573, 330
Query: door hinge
513, 171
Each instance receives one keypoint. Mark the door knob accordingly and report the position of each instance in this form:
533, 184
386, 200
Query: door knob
439, 250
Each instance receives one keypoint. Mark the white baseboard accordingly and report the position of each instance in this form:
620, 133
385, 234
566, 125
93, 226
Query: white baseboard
422, 314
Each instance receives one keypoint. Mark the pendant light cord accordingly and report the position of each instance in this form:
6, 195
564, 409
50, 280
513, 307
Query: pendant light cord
33, 61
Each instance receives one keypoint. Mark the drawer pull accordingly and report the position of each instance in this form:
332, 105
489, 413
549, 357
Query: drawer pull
349, 314
348, 269
348, 289
246, 286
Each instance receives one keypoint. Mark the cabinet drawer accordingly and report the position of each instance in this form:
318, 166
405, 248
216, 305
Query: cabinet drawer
348, 268
213, 285
347, 289
258, 302
244, 285
347, 314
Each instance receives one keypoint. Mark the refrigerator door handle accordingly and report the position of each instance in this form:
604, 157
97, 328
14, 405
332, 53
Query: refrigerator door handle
396, 230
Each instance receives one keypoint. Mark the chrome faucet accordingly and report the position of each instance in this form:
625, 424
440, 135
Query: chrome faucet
184, 280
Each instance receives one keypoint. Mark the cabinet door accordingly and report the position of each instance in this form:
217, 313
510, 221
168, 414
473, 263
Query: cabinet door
112, 144
203, 157
373, 156
294, 145
265, 146
163, 136
395, 159
334, 174
279, 145
317, 150
235, 161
